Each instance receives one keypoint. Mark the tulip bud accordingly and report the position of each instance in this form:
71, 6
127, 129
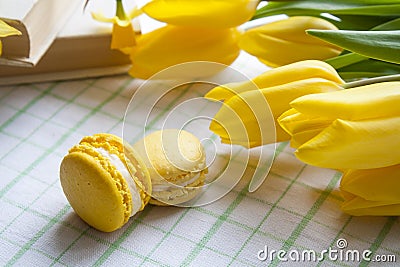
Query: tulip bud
245, 102
202, 13
372, 191
123, 33
171, 45
357, 128
286, 74
286, 41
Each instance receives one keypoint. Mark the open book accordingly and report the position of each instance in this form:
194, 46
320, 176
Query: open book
80, 50
39, 21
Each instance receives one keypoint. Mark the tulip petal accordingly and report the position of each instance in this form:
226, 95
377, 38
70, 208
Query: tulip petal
294, 122
202, 13
122, 36
361, 207
380, 184
99, 16
300, 127
278, 98
364, 102
276, 52
7, 30
285, 41
354, 145
171, 45
231, 133
300, 70
294, 28
298, 139
245, 120
282, 75
226, 91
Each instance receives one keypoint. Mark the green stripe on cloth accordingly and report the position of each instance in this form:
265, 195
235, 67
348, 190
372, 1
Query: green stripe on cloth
39, 234
214, 228
163, 112
25, 108
381, 236
333, 243
268, 214
168, 233
220, 220
47, 153
308, 217
27, 244
115, 245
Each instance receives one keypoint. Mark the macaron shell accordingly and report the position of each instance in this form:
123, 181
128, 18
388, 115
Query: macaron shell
139, 173
92, 192
179, 195
128, 156
173, 156
170, 154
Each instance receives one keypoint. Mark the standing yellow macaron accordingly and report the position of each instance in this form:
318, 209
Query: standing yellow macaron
104, 181
176, 161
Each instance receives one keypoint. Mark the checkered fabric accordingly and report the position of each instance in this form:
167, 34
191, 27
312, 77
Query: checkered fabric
296, 208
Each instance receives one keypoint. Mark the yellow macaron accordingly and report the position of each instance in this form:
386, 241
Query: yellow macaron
176, 162
105, 181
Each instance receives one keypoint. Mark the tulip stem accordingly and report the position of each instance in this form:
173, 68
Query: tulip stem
388, 78
120, 12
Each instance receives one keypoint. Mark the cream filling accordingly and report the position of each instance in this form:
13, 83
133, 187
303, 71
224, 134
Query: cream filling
166, 186
116, 161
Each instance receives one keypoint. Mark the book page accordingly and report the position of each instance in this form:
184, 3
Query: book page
15, 9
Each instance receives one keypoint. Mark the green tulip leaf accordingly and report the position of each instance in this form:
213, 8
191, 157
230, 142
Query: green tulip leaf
348, 58
382, 45
357, 22
345, 60
390, 25
368, 68
316, 7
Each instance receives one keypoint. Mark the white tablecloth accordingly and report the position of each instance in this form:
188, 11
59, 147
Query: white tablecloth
296, 210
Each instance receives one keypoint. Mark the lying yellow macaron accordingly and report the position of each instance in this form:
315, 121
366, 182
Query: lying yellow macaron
105, 181
176, 162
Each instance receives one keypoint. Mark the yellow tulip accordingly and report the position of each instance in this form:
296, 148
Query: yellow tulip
286, 41
6, 30
356, 128
372, 191
171, 45
241, 120
123, 33
202, 13
300, 70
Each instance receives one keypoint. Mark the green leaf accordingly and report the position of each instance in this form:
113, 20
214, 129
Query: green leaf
390, 25
377, 10
356, 22
382, 45
345, 60
338, 7
368, 68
